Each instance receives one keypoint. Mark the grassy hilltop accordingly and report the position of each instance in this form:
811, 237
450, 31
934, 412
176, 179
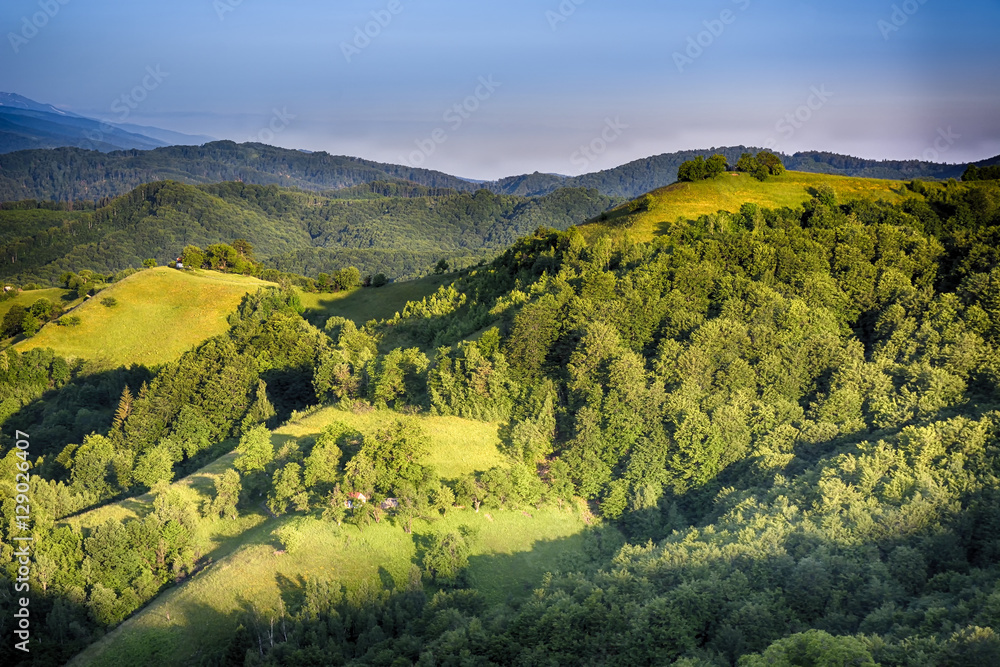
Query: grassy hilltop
728, 192
160, 313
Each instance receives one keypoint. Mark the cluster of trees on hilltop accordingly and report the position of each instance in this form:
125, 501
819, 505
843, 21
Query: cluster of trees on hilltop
699, 168
760, 166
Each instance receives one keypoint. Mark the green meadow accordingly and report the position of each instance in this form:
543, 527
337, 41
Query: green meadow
729, 191
160, 314
511, 550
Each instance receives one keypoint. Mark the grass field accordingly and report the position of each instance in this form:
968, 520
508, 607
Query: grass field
161, 313
510, 550
63, 297
369, 303
458, 446
728, 192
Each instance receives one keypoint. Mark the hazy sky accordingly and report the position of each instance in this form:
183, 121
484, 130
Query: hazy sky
566, 87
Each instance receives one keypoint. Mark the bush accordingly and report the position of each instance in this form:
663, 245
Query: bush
109, 301
69, 321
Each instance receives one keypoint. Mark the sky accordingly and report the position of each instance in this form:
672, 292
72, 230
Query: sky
487, 88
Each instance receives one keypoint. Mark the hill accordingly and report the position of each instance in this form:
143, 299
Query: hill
160, 313
789, 413
249, 568
402, 235
26, 124
73, 174
653, 214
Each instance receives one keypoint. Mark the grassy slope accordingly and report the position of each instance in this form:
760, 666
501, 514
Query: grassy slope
510, 550
728, 192
64, 297
362, 305
161, 313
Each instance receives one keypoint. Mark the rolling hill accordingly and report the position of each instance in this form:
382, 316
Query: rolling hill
295, 231
728, 192
160, 313
68, 174
249, 569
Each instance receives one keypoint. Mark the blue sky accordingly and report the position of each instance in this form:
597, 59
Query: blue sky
572, 85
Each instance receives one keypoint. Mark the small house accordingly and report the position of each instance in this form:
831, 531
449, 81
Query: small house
390, 504
180, 264
355, 498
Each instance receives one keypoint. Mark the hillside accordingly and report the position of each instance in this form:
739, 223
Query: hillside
160, 313
403, 235
789, 412
68, 174
74, 173
250, 570
729, 192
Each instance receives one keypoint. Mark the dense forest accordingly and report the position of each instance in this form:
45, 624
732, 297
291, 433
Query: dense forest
789, 417
74, 174
397, 229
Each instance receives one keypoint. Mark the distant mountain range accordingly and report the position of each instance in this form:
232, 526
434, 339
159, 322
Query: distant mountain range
26, 124
72, 174
75, 158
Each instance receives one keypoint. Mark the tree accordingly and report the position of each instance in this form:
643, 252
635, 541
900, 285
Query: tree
13, 320
193, 257
149, 263
815, 648
336, 506
156, 465
255, 450
227, 494
715, 165
323, 462
441, 267
30, 325
287, 486
446, 559
221, 256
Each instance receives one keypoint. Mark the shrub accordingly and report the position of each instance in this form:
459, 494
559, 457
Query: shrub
109, 301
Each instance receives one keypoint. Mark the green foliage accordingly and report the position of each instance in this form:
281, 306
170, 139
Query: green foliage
255, 450
446, 558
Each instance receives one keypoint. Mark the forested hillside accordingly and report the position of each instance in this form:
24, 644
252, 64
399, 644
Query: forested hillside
68, 174
73, 174
790, 414
396, 229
